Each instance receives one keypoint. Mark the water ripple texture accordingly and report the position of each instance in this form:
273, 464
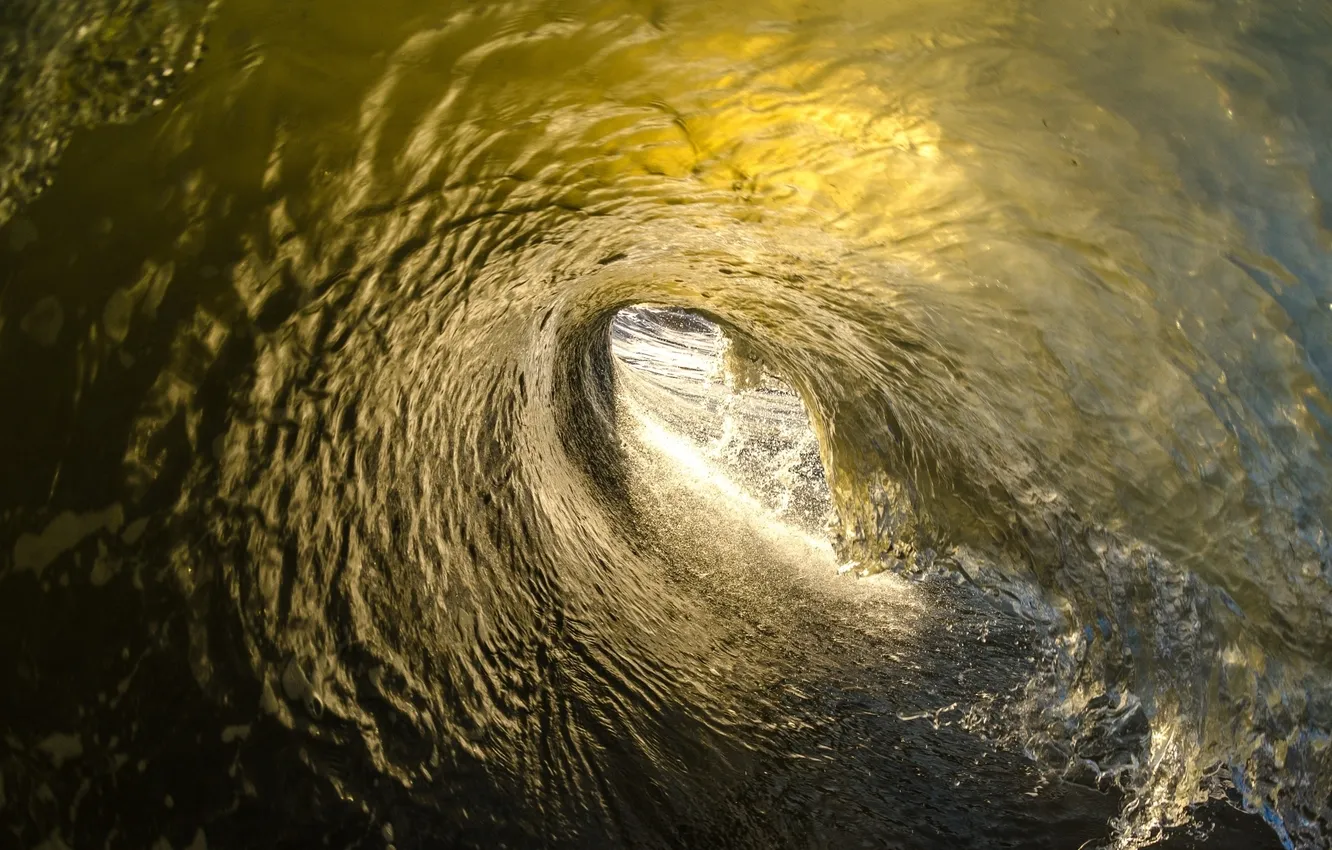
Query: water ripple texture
656, 423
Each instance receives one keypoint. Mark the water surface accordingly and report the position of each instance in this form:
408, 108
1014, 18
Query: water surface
533, 424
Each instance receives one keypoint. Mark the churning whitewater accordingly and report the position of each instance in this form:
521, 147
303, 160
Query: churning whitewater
618, 423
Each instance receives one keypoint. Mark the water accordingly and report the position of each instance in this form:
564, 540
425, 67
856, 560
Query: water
963, 482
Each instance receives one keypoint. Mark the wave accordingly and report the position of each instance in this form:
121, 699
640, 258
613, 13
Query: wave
672, 424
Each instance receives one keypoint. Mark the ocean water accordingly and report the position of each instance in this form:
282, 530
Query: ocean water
666, 424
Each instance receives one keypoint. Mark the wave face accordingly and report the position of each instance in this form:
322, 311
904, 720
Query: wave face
666, 423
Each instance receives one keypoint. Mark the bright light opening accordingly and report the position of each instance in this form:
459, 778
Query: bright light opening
718, 414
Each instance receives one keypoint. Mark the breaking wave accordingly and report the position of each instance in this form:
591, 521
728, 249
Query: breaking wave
677, 424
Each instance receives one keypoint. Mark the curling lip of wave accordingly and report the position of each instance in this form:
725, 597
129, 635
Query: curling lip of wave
1064, 339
